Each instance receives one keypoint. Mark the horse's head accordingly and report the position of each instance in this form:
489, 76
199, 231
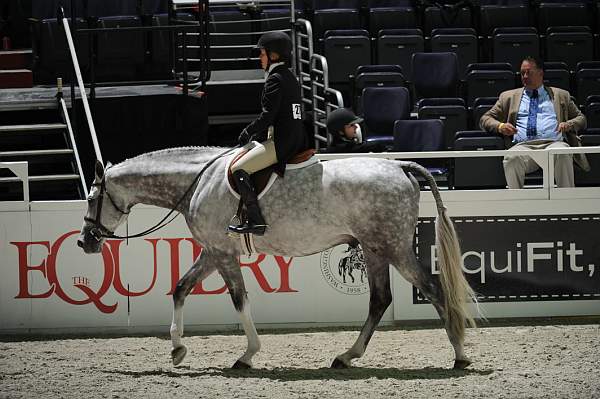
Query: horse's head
103, 215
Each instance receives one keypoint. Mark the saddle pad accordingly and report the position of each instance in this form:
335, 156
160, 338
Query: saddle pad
264, 179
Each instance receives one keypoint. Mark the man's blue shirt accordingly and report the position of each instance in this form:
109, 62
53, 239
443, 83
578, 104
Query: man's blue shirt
547, 124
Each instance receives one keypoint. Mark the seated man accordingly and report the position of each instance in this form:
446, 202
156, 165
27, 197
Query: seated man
536, 117
344, 127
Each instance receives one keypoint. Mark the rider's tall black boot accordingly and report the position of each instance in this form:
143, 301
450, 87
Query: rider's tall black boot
255, 223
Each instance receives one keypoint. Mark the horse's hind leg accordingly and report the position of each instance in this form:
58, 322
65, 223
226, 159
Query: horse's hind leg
381, 297
201, 269
410, 268
232, 274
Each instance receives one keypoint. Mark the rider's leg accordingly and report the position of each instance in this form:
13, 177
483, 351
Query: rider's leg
259, 157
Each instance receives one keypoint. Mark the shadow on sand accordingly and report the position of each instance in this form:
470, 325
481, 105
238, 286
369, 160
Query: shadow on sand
302, 374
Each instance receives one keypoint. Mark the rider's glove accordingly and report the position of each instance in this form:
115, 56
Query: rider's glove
244, 138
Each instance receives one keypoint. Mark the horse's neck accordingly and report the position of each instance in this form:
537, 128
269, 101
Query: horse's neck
157, 182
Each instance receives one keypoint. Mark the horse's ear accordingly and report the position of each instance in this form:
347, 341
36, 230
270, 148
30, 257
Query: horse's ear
99, 171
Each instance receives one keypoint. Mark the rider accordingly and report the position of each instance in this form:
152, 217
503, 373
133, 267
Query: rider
281, 110
346, 136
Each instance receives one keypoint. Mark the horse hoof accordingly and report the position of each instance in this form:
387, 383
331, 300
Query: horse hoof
177, 354
461, 364
239, 365
338, 364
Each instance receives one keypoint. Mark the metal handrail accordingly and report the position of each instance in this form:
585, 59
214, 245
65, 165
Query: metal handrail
323, 74
86, 105
313, 72
67, 120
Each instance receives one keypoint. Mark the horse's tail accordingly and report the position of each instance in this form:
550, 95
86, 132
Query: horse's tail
457, 291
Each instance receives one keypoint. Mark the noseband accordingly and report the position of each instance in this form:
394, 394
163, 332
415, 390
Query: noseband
100, 231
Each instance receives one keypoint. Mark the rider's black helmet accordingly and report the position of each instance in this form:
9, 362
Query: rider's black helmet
339, 118
277, 41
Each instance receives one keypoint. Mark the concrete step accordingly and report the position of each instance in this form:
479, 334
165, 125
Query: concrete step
15, 59
41, 178
33, 153
16, 78
32, 128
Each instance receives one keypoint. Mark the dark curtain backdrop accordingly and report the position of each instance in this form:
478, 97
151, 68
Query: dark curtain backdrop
99, 8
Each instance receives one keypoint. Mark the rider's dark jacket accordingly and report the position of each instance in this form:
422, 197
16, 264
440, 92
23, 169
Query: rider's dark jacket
281, 107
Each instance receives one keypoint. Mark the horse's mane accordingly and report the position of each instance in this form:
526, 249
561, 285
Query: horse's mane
176, 153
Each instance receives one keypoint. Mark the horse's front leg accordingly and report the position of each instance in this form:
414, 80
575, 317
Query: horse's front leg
381, 297
232, 274
201, 269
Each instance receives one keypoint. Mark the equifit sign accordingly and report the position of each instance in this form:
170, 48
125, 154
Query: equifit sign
532, 258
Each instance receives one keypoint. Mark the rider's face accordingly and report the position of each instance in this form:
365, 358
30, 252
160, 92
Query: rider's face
264, 59
350, 131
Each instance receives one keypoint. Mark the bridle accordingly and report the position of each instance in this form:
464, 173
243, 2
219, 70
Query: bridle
100, 231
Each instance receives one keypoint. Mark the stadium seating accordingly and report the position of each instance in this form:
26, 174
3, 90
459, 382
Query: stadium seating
389, 14
452, 112
486, 82
375, 76
397, 46
482, 172
513, 44
569, 44
461, 41
381, 108
447, 16
345, 51
435, 75
501, 14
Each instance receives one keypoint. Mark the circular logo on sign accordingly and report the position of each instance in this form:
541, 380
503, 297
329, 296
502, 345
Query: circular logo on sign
343, 267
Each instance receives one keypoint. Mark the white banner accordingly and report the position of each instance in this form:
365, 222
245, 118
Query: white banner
48, 283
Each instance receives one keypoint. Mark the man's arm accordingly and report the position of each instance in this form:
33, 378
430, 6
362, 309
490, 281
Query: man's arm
576, 119
490, 121
493, 120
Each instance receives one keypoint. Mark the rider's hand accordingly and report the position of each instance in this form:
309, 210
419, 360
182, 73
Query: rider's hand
244, 138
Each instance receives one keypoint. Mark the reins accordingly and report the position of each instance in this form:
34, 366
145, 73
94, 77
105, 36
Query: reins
163, 222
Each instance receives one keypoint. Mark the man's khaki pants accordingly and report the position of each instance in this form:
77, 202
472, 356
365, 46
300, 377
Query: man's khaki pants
516, 166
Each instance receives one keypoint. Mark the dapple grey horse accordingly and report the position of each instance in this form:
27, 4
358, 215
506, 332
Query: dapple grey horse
374, 202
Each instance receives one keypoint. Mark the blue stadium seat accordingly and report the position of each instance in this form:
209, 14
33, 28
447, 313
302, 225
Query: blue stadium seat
418, 135
452, 112
563, 13
478, 173
375, 76
484, 83
390, 14
587, 83
396, 46
346, 50
448, 16
381, 108
461, 41
513, 44
569, 44
502, 13
589, 137
435, 74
